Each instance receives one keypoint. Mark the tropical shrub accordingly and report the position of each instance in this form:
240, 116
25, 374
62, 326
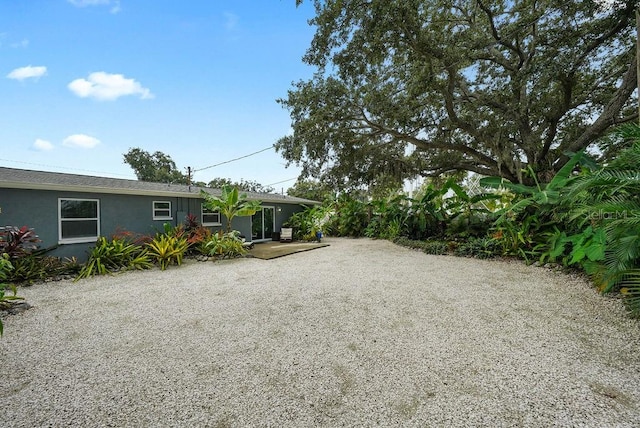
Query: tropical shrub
481, 248
428, 247
608, 202
110, 256
388, 217
231, 204
167, 249
6, 300
351, 217
134, 238
524, 227
223, 245
197, 236
306, 223
30, 268
18, 241
589, 219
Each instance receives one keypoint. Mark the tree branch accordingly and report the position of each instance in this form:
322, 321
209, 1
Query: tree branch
607, 118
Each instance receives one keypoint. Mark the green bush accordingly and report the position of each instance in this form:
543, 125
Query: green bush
38, 267
481, 248
428, 247
6, 300
110, 256
223, 245
166, 249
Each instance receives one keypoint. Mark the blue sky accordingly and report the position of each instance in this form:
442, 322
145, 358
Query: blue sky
82, 81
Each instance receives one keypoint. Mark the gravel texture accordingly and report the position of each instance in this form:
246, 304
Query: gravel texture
360, 333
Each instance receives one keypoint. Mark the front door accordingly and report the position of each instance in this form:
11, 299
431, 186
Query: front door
263, 224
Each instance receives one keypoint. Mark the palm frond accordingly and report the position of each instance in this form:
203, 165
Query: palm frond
631, 290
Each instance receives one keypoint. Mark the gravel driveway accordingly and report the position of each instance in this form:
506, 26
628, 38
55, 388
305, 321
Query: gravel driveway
360, 333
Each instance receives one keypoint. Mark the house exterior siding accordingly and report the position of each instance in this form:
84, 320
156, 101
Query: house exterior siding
124, 205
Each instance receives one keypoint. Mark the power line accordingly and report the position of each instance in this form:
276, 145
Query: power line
233, 160
283, 181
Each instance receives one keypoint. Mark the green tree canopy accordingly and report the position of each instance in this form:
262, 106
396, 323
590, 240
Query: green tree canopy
156, 167
160, 168
246, 185
410, 87
311, 189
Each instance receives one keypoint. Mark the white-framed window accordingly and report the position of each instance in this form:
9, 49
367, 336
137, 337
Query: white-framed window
78, 220
209, 217
162, 210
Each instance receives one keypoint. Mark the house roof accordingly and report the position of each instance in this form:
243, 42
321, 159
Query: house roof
12, 178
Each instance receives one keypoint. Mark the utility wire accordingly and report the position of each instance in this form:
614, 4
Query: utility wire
283, 181
233, 160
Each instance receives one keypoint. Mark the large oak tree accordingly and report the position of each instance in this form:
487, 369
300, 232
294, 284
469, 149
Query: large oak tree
410, 87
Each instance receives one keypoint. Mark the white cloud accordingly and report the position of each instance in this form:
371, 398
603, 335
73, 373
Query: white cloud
81, 141
115, 4
42, 145
106, 86
27, 72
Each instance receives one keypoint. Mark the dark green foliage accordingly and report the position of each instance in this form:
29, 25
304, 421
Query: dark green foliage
312, 190
306, 223
428, 247
244, 185
223, 245
157, 167
630, 287
523, 227
111, 256
32, 267
388, 217
481, 248
413, 87
302, 223
351, 217
6, 300
608, 202
587, 217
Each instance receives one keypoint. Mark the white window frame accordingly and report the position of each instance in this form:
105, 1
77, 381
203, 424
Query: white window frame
155, 209
63, 240
209, 213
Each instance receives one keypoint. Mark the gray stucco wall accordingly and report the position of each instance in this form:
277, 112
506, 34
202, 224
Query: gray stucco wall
38, 209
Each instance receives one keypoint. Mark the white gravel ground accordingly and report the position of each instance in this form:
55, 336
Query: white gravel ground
361, 333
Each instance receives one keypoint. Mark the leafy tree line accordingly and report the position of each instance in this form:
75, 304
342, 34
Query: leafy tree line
160, 168
409, 88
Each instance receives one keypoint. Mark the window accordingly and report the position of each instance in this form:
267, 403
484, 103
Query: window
162, 210
209, 217
78, 220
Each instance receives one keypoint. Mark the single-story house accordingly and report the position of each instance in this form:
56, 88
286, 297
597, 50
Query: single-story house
70, 211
